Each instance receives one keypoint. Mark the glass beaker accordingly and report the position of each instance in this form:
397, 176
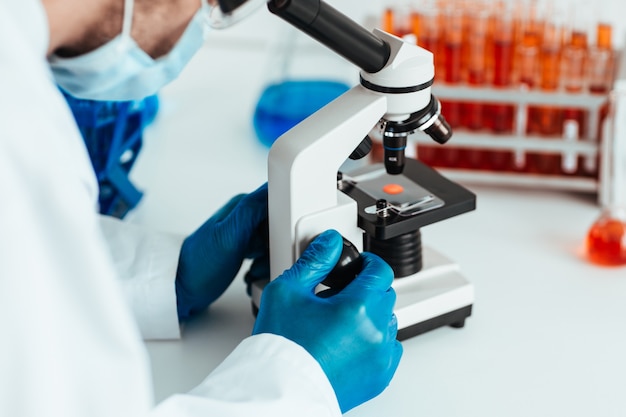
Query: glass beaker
606, 239
302, 77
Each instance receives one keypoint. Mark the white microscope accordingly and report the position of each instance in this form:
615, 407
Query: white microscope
381, 207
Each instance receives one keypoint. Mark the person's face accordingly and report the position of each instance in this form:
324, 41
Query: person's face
156, 26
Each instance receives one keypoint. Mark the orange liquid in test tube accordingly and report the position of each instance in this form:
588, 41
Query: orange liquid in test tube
604, 35
502, 71
476, 65
388, 20
529, 32
548, 120
453, 41
397, 21
500, 116
428, 37
489, 52
529, 36
528, 72
573, 77
528, 67
578, 39
473, 117
452, 50
600, 78
415, 21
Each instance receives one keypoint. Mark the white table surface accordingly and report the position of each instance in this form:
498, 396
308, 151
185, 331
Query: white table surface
548, 333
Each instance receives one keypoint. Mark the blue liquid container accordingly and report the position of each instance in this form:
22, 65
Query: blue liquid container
284, 105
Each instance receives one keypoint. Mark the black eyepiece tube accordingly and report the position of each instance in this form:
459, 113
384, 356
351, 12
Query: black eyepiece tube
335, 30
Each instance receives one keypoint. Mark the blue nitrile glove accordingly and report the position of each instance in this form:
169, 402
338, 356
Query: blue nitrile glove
211, 257
352, 334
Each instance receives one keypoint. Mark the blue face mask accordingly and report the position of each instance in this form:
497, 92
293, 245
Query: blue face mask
120, 70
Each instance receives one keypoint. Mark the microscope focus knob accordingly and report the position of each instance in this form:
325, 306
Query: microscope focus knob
348, 266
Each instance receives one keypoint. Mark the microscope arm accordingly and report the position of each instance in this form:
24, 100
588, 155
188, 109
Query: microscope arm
302, 175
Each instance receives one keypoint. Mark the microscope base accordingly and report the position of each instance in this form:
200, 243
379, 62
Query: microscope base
436, 296
454, 319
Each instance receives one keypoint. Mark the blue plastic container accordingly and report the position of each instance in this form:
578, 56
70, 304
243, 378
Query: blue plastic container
113, 134
283, 105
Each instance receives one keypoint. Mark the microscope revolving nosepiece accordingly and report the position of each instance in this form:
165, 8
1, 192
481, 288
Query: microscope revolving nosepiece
429, 120
395, 133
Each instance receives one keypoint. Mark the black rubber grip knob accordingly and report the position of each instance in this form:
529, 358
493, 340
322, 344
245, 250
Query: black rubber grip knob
348, 266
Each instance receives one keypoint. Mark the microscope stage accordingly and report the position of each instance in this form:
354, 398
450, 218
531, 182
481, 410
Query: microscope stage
428, 197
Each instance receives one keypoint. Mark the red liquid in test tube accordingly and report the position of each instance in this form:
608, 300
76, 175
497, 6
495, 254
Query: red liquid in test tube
527, 63
427, 31
500, 116
452, 44
601, 65
473, 112
573, 77
548, 120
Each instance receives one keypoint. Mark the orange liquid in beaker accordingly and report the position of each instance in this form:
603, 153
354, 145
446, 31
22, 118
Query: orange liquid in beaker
606, 242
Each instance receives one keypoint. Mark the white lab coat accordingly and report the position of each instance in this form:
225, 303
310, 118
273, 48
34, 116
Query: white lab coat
69, 343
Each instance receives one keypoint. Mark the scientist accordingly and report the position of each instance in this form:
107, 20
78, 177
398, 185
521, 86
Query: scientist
77, 291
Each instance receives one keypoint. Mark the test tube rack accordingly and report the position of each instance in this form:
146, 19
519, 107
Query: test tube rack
587, 146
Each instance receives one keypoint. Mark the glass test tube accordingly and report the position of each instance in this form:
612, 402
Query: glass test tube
600, 78
500, 115
574, 60
428, 37
549, 117
396, 19
452, 45
601, 56
452, 51
476, 64
473, 112
527, 45
387, 23
548, 120
527, 63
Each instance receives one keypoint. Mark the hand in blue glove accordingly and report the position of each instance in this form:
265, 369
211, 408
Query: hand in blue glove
352, 334
211, 257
